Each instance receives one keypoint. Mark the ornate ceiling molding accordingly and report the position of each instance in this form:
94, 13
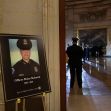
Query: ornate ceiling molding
93, 16
86, 3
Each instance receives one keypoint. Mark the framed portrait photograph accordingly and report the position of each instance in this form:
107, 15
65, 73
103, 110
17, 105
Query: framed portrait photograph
23, 66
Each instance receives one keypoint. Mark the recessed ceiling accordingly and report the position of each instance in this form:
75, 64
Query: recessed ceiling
73, 3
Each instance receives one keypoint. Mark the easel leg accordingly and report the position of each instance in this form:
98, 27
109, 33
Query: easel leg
44, 101
20, 105
24, 109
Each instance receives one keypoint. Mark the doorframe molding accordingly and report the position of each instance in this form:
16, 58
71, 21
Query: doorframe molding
62, 55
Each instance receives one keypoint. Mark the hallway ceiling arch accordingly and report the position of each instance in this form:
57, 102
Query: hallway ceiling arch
85, 3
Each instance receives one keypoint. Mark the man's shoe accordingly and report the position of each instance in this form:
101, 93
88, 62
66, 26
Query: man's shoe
71, 91
80, 91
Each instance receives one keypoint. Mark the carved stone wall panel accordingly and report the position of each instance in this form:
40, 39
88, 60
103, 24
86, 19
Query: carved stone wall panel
85, 16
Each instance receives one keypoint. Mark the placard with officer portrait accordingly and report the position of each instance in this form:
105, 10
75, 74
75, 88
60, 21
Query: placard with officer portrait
24, 67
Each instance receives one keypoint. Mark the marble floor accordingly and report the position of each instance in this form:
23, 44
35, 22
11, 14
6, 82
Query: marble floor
96, 91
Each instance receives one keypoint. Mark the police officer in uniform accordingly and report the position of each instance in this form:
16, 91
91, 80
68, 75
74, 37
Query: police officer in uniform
25, 66
75, 54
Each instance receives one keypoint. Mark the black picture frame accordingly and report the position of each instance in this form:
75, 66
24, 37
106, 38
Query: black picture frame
28, 85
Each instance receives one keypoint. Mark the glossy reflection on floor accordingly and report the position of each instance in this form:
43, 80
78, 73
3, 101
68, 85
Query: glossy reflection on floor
96, 91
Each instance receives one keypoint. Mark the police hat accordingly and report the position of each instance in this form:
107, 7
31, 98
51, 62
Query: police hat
24, 44
75, 39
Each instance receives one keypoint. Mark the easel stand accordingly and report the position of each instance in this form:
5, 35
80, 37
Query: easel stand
20, 104
35, 103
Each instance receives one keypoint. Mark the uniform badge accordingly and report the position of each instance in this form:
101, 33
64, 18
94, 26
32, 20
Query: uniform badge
35, 69
25, 42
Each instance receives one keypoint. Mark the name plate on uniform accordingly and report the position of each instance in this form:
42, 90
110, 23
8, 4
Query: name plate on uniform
23, 66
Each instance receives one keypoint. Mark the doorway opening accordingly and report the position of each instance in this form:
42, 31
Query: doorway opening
96, 66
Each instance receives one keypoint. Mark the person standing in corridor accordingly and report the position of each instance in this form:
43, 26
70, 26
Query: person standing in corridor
75, 54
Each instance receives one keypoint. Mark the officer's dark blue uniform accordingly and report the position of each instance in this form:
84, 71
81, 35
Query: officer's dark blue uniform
75, 54
22, 68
